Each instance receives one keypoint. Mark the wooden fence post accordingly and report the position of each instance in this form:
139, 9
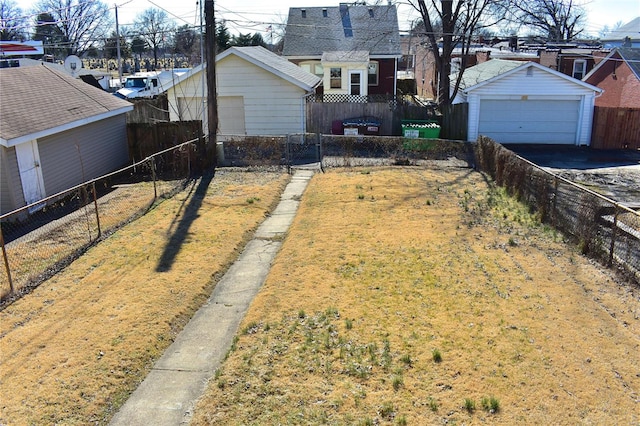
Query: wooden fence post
6, 261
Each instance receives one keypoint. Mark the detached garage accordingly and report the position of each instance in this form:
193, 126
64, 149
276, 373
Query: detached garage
258, 93
527, 103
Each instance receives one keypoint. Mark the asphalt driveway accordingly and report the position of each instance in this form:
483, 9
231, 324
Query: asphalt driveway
613, 173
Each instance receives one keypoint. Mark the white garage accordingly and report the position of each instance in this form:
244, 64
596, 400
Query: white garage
528, 103
258, 93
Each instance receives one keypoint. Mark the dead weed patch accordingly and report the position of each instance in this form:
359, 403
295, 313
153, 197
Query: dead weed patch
74, 349
411, 296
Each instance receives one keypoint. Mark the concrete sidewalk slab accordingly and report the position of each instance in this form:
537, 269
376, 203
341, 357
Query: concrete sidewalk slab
169, 393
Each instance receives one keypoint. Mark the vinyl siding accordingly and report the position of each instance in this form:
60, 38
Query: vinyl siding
272, 105
11, 196
541, 85
78, 155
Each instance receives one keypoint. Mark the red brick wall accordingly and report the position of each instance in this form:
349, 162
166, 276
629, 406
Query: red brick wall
621, 86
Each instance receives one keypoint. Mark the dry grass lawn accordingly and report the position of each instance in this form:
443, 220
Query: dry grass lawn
74, 349
411, 296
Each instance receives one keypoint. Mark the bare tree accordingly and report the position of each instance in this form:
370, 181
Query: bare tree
450, 25
557, 20
12, 21
155, 28
82, 23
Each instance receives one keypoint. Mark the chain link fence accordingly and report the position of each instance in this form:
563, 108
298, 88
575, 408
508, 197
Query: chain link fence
40, 239
337, 150
602, 228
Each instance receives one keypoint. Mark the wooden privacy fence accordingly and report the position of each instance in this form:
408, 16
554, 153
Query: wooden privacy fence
388, 110
616, 128
149, 110
145, 139
454, 121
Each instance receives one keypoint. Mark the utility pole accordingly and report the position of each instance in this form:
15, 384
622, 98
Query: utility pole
118, 47
212, 99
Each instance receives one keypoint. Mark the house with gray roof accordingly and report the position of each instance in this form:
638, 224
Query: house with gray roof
628, 35
619, 76
55, 132
353, 48
259, 93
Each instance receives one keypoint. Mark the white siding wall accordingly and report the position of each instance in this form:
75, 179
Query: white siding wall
539, 85
272, 105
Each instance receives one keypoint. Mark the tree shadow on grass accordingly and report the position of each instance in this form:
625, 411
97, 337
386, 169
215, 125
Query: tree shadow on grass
182, 229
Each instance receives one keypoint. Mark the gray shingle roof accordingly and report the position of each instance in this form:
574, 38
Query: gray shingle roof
632, 57
631, 29
36, 99
484, 71
343, 28
266, 59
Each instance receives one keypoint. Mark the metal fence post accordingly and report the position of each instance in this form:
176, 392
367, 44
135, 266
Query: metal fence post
554, 212
6, 261
287, 154
319, 145
614, 229
153, 176
95, 204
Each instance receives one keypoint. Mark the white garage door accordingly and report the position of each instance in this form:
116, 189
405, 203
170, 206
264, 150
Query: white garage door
231, 119
530, 121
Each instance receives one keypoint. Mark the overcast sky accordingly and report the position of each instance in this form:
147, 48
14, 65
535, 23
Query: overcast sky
249, 16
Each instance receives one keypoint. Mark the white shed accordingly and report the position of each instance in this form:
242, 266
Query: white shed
530, 104
259, 93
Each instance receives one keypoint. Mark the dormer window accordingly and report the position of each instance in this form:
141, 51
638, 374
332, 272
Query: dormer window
579, 69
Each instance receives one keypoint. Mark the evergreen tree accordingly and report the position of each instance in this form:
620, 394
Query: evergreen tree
223, 38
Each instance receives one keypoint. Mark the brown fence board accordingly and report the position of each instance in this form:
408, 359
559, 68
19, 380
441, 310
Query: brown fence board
616, 128
454, 121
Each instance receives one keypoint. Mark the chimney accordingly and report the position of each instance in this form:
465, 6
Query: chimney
483, 56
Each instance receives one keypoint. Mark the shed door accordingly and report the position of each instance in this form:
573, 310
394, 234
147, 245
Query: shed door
31, 178
530, 121
231, 119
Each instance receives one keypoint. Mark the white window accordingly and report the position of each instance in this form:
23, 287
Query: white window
579, 69
314, 67
373, 74
336, 78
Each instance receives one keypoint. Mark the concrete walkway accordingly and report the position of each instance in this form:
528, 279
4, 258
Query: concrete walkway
168, 394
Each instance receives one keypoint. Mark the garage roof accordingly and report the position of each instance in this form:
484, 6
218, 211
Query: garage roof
39, 101
526, 66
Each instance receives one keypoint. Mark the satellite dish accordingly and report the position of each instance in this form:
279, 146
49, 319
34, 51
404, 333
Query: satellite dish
72, 64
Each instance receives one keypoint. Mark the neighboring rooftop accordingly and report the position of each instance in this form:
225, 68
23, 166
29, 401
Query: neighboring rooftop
314, 30
630, 29
34, 100
632, 57
485, 71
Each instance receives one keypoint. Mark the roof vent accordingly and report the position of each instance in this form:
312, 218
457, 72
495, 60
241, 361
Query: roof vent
324, 12
9, 63
304, 12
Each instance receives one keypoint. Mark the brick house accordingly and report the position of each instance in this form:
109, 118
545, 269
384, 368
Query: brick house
619, 75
